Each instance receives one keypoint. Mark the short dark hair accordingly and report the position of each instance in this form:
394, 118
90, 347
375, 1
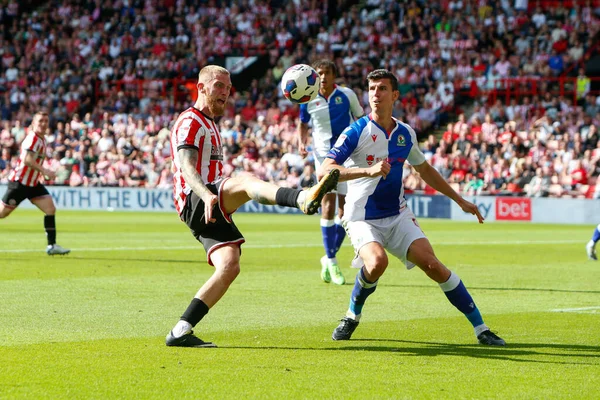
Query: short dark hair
379, 74
326, 64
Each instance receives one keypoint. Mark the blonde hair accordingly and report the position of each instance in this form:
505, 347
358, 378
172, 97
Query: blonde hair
209, 72
41, 114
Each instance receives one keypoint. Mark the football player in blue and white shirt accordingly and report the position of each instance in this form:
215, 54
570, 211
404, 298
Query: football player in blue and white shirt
373, 151
591, 245
334, 108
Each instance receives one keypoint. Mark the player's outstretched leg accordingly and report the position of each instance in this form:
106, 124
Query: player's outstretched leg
421, 254
237, 191
590, 248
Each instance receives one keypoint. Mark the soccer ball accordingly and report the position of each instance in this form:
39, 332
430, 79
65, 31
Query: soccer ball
300, 83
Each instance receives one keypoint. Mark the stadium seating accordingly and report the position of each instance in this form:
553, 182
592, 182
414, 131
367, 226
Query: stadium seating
115, 78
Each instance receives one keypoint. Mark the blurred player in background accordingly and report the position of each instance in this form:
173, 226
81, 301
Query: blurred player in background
591, 246
330, 113
25, 181
206, 201
376, 216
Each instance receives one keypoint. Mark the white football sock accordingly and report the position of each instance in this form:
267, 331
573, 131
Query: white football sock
353, 316
301, 198
481, 328
182, 328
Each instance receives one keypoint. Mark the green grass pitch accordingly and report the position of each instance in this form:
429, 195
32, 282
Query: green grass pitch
92, 324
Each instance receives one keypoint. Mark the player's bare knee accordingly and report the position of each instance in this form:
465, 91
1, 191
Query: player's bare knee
4, 211
377, 264
230, 271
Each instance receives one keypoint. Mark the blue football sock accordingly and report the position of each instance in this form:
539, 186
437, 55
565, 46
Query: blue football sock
460, 298
596, 235
328, 232
362, 289
340, 234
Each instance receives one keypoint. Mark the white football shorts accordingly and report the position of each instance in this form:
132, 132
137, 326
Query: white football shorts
395, 234
342, 187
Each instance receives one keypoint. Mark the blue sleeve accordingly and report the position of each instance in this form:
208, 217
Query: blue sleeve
344, 146
304, 115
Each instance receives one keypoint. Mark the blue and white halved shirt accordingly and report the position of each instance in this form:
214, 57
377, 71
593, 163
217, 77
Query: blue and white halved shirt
363, 144
330, 116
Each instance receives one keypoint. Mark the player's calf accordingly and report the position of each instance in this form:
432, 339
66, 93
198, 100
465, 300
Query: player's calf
5, 211
435, 270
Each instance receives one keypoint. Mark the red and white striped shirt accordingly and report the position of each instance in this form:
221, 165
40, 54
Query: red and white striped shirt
22, 173
193, 129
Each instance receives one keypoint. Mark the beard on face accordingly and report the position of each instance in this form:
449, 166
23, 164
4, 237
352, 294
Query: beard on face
215, 107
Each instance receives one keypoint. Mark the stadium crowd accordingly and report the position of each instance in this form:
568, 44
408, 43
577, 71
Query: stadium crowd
537, 145
535, 148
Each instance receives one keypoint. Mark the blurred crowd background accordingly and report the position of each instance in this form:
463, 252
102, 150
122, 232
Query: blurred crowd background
496, 90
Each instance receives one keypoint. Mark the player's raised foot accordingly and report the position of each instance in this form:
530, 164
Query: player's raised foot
187, 340
345, 329
489, 338
314, 195
591, 251
336, 275
325, 269
55, 249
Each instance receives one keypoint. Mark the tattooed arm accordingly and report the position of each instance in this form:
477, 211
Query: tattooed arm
189, 160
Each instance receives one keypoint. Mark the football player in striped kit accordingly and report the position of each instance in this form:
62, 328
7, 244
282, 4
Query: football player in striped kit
206, 200
25, 181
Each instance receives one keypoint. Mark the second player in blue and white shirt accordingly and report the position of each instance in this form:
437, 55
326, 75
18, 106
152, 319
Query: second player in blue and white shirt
332, 111
330, 116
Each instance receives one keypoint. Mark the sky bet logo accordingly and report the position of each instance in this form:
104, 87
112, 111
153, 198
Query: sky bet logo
513, 209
